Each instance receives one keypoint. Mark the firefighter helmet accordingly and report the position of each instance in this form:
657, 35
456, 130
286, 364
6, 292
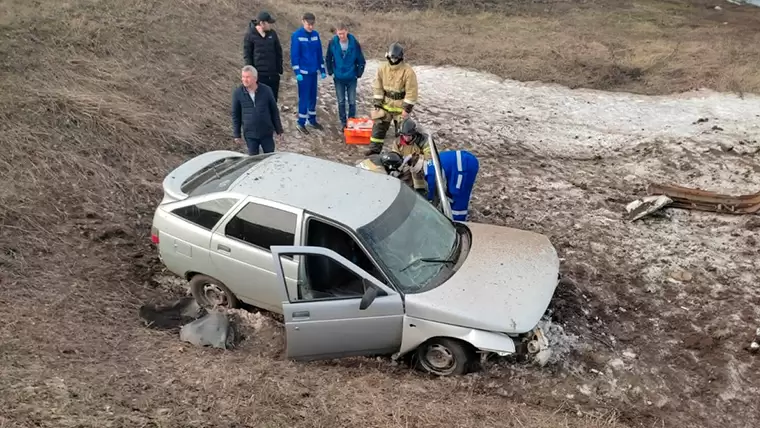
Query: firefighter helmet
395, 53
391, 160
408, 127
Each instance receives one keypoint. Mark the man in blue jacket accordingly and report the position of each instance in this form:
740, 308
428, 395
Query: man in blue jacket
306, 60
345, 60
254, 109
460, 168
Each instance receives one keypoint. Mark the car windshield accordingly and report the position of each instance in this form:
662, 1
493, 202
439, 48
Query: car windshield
413, 240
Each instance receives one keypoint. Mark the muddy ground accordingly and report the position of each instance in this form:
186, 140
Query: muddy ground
101, 98
657, 314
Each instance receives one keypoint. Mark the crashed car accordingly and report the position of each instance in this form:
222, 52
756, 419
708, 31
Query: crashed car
357, 263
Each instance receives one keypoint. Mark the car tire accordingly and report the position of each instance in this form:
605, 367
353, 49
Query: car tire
445, 357
210, 292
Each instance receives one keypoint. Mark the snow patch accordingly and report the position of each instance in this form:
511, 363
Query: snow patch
577, 123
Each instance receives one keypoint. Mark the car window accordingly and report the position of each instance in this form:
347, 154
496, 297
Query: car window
321, 277
206, 214
322, 234
262, 226
411, 238
219, 175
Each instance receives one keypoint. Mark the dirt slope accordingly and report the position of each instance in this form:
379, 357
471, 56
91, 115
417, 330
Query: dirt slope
100, 98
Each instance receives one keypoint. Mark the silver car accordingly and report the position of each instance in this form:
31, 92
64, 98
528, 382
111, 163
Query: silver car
357, 263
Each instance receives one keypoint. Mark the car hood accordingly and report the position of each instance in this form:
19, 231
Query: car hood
504, 285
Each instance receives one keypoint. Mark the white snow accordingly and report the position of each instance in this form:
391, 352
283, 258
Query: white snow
580, 123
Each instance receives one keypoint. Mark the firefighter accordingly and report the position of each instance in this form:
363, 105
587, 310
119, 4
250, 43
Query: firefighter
394, 94
460, 169
413, 146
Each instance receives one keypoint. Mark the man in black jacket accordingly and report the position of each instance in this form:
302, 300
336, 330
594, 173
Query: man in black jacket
262, 49
254, 109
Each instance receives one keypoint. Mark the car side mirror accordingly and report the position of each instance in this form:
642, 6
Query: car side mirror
370, 293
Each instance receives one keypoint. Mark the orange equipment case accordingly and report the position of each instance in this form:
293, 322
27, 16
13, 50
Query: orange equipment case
358, 130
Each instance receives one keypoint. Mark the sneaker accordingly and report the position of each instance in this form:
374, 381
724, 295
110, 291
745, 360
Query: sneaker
316, 125
302, 129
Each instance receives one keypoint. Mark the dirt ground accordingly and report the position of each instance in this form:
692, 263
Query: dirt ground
100, 98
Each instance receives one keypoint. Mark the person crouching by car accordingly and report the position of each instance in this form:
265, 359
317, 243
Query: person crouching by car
414, 147
345, 62
255, 116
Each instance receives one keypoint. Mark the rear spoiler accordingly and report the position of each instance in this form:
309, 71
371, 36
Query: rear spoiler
172, 184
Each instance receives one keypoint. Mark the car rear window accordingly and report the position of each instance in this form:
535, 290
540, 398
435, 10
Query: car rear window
219, 175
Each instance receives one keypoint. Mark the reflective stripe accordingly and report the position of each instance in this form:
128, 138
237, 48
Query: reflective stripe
303, 116
304, 72
378, 97
303, 39
459, 181
314, 38
459, 161
296, 67
312, 112
409, 102
393, 109
462, 212
376, 140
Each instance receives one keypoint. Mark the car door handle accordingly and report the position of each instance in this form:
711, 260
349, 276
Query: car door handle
224, 248
301, 314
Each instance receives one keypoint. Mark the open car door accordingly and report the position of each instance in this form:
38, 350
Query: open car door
440, 180
339, 310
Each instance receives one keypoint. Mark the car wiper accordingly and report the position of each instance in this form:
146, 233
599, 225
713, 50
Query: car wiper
427, 260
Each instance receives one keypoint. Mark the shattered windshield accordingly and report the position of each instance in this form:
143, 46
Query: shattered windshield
413, 240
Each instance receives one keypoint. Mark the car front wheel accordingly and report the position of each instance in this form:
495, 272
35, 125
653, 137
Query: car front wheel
445, 357
210, 293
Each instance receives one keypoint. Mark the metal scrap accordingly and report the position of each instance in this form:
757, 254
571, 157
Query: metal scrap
704, 200
646, 205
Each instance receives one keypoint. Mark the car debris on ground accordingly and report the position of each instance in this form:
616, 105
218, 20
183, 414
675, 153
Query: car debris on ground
754, 347
646, 205
662, 195
196, 325
704, 200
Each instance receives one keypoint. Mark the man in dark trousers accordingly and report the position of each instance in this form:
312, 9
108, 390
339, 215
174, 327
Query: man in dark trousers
345, 60
262, 50
254, 109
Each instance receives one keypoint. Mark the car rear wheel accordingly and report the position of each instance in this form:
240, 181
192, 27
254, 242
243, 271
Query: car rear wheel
445, 357
210, 293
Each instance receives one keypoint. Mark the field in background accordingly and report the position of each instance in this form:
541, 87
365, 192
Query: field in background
100, 98
649, 47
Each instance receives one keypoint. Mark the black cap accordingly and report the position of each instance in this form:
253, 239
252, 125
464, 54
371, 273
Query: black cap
308, 16
265, 16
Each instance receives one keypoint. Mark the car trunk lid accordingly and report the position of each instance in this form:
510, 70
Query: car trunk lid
185, 178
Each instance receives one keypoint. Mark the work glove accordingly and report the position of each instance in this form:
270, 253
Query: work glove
299, 77
323, 75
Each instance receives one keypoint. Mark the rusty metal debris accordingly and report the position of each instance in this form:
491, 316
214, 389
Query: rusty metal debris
703, 200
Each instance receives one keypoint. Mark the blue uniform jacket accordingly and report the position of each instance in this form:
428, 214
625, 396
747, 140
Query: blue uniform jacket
306, 52
345, 67
456, 165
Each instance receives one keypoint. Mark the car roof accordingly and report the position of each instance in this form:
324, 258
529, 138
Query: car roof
344, 193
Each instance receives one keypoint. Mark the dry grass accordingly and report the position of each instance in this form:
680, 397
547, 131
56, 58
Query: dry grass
101, 97
647, 46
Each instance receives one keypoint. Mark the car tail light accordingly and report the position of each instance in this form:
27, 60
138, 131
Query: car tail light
154, 235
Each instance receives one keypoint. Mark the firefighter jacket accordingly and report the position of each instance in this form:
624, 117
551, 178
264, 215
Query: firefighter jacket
418, 146
395, 86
